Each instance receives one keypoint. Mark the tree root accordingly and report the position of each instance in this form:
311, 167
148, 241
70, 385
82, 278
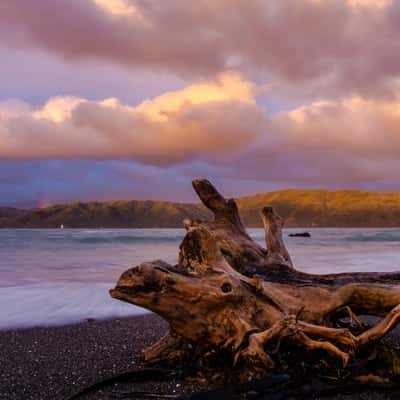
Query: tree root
312, 337
171, 349
289, 328
230, 299
381, 329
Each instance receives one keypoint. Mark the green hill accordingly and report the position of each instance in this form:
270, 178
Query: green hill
300, 208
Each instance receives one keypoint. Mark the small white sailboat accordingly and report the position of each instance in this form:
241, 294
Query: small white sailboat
62, 226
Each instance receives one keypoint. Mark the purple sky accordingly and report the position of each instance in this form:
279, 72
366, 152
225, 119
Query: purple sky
119, 99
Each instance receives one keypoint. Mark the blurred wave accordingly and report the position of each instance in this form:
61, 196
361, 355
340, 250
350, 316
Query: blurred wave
125, 239
58, 276
59, 303
376, 237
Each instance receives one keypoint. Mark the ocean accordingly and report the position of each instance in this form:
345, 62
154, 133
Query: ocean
60, 276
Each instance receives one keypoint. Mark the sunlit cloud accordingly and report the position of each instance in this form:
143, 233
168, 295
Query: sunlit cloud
117, 7
123, 9
352, 127
57, 109
207, 119
228, 88
218, 121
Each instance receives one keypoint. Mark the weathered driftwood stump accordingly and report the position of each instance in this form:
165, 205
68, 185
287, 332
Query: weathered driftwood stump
231, 300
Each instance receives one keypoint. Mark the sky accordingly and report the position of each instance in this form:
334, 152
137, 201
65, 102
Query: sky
132, 99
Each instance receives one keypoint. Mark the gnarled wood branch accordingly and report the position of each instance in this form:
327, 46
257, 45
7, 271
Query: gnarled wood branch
227, 294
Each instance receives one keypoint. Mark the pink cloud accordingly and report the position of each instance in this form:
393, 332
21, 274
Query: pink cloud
340, 45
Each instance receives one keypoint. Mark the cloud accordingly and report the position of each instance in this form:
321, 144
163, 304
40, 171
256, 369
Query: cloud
117, 7
349, 141
168, 141
352, 142
352, 127
204, 120
330, 67
329, 47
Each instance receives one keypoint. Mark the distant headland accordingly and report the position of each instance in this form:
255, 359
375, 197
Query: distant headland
300, 208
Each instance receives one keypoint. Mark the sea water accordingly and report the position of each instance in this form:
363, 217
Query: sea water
60, 276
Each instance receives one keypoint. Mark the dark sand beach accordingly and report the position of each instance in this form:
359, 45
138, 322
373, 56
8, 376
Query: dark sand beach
55, 362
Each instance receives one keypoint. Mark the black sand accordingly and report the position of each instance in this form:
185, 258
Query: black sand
53, 363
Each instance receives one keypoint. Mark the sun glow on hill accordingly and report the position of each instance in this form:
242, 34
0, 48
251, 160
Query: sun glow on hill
302, 208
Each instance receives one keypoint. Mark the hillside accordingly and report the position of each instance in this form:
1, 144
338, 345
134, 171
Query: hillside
300, 208
110, 214
341, 208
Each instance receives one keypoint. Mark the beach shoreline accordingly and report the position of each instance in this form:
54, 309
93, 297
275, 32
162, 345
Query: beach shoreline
44, 363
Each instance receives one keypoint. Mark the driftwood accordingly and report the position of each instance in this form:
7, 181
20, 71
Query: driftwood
231, 300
